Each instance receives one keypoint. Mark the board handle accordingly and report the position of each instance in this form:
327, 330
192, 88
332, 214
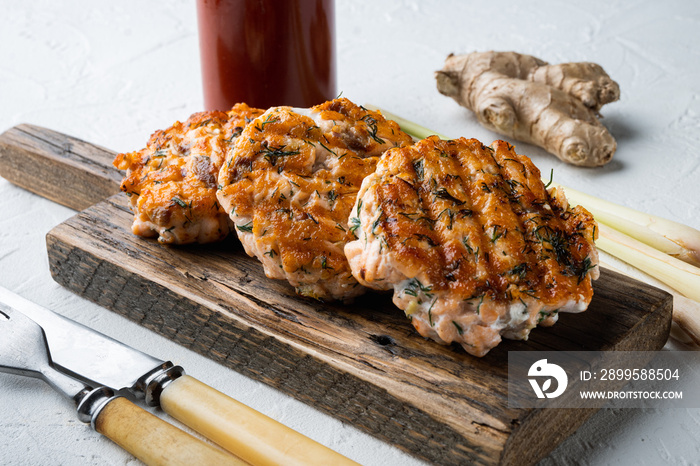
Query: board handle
246, 433
154, 441
58, 167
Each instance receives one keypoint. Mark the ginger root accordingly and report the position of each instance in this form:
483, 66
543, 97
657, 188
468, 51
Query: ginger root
524, 98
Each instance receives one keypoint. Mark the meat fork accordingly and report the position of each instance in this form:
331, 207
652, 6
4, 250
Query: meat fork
24, 351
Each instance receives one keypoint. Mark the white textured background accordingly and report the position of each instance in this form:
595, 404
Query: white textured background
113, 72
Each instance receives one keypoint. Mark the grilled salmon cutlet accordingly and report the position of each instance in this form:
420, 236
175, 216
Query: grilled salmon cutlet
473, 245
290, 182
172, 182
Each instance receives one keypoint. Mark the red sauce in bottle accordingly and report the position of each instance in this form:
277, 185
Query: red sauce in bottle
267, 52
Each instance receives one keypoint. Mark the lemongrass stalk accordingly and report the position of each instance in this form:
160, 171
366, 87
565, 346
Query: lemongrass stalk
413, 129
675, 273
673, 238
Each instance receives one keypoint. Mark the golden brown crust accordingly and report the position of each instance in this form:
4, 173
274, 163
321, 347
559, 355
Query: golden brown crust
465, 231
172, 182
290, 182
495, 197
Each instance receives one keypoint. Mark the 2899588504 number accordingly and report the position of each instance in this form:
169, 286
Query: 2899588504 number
639, 374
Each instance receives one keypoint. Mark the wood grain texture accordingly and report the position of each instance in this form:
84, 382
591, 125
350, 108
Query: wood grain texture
362, 363
61, 168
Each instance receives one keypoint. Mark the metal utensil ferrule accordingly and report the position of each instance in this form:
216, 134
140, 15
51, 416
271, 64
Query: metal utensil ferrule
151, 385
92, 402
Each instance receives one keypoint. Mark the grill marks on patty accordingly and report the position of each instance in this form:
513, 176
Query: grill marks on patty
480, 219
471, 241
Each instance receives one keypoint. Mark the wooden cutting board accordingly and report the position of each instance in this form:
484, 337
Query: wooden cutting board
362, 363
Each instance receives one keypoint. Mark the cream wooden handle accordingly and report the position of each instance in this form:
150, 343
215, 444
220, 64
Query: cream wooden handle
154, 441
240, 429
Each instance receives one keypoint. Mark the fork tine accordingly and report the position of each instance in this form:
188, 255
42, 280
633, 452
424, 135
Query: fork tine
23, 349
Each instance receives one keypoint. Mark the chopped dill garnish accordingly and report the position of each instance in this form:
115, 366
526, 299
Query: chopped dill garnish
418, 167
520, 270
582, 270
332, 196
450, 216
328, 149
430, 313
355, 223
425, 238
272, 154
248, 227
415, 286
376, 223
324, 263
372, 127
481, 301
465, 242
545, 314
269, 119
180, 202
286, 212
559, 244
497, 233
237, 131
442, 193
551, 178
